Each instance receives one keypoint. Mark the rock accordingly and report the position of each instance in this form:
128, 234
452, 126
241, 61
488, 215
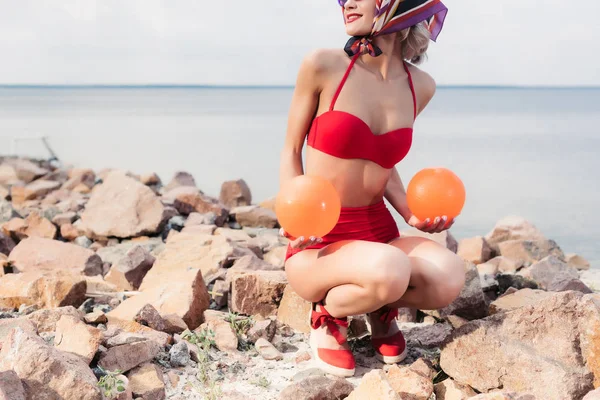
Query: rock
197, 219
318, 388
475, 250
35, 190
294, 310
257, 292
577, 262
6, 211
149, 316
33, 226
6, 244
254, 216
122, 207
76, 337
374, 385
185, 251
502, 396
251, 263
513, 228
424, 367
83, 241
220, 293
150, 179
7, 325
506, 281
235, 194
548, 349
174, 324
25, 170
47, 320
11, 387
199, 229
267, 350
235, 235
563, 283
487, 269
504, 264
183, 294
444, 238
428, 336
181, 178
147, 382
470, 303
96, 284
128, 356
114, 252
128, 272
527, 252
547, 270
179, 355
79, 178
57, 289
450, 390
593, 395
409, 384
4, 192
37, 254
262, 329
188, 200
225, 338
96, 317
69, 232
518, 299
48, 372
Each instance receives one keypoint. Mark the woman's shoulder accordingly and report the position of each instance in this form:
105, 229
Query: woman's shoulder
324, 61
424, 83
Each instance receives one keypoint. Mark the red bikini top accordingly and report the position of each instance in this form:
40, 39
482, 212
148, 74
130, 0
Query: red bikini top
344, 135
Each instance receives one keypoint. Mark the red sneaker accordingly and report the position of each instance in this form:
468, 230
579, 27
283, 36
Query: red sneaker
390, 347
338, 362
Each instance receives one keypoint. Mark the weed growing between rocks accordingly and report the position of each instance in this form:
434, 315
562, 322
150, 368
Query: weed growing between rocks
111, 383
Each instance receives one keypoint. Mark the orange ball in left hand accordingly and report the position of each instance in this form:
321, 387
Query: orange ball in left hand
308, 206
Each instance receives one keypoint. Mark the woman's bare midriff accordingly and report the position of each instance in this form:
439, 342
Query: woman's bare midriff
358, 182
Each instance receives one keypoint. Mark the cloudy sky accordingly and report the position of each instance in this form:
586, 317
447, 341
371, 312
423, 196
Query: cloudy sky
261, 42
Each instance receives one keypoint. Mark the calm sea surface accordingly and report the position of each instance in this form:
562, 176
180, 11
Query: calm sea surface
527, 152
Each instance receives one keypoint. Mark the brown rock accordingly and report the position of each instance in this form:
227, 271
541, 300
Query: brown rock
502, 396
518, 299
475, 250
294, 310
8, 324
257, 292
150, 179
128, 272
374, 385
262, 329
267, 350
64, 218
251, 263
225, 338
548, 270
189, 199
11, 387
45, 290
487, 269
444, 238
198, 229
70, 232
185, 251
548, 349
450, 390
470, 303
235, 235
513, 228
254, 216
115, 251
147, 382
183, 294
564, 283
593, 395
410, 385
577, 262
220, 293
235, 194
4, 192
76, 337
181, 178
526, 252
34, 190
428, 336
150, 317
505, 264
96, 317
37, 254
174, 324
25, 170
15, 228
122, 207
97, 285
48, 373
47, 320
79, 178
6, 244
424, 367
318, 388
129, 356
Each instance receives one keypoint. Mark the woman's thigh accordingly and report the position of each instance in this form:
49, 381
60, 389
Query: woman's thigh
312, 273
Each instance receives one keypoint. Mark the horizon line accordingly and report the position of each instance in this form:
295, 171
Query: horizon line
199, 86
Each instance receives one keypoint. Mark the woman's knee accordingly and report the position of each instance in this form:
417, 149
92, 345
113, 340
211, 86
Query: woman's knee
388, 274
451, 278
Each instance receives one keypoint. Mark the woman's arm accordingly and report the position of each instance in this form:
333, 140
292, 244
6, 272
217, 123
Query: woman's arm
396, 195
302, 110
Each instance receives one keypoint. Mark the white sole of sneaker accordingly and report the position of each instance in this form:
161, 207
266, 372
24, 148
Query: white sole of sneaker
392, 359
325, 367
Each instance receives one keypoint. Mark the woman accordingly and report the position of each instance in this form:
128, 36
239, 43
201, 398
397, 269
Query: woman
356, 108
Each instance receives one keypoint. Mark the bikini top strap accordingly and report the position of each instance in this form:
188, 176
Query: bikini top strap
339, 89
412, 89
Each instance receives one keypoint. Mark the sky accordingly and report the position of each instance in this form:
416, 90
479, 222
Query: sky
241, 42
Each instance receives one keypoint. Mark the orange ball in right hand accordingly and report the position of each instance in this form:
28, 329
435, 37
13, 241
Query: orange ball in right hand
435, 192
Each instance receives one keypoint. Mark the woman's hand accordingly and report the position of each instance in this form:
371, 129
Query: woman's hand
439, 224
301, 242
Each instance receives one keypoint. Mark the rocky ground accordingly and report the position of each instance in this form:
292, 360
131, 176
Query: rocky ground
114, 285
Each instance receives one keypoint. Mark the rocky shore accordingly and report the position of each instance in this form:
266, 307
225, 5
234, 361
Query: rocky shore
116, 286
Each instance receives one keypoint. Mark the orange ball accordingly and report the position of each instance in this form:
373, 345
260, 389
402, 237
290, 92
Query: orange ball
308, 206
435, 192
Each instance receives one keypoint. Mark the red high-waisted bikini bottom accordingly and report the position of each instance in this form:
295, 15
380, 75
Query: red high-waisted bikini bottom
372, 223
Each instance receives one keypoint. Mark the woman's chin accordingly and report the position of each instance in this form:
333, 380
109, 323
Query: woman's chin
351, 31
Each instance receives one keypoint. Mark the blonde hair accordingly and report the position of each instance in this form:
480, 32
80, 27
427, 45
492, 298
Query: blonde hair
415, 41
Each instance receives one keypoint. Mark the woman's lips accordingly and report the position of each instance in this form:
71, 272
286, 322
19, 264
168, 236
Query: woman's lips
352, 17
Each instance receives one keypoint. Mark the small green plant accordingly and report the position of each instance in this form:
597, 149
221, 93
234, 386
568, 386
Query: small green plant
239, 324
262, 382
111, 384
